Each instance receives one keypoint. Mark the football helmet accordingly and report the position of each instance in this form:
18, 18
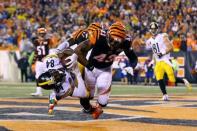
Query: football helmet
154, 28
117, 31
41, 31
51, 79
116, 34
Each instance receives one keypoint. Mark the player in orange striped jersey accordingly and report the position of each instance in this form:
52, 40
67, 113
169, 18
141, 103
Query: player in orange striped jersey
104, 46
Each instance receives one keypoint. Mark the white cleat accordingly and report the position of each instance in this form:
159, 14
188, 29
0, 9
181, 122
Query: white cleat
165, 97
36, 94
187, 84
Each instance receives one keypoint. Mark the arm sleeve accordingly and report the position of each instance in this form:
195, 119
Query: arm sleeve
132, 57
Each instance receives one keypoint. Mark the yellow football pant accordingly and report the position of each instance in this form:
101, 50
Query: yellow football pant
162, 67
81, 68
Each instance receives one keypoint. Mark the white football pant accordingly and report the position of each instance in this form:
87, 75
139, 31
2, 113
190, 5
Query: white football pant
100, 79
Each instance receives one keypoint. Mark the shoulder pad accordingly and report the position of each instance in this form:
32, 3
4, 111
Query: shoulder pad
76, 33
94, 35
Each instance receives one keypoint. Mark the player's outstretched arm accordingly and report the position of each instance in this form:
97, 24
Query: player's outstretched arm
132, 57
82, 50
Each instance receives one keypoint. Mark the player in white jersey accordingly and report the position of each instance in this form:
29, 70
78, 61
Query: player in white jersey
161, 47
64, 82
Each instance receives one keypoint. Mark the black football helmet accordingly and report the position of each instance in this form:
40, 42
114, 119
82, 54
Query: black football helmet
154, 28
51, 79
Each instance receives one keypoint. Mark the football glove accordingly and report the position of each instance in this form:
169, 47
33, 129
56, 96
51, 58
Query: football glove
72, 60
160, 54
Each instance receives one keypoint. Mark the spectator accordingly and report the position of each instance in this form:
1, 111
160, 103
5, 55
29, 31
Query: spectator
148, 68
25, 45
23, 65
123, 64
25, 16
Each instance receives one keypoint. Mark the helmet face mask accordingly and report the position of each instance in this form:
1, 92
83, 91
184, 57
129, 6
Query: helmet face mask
42, 34
114, 42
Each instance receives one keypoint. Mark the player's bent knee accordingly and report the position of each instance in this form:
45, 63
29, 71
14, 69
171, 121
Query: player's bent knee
103, 105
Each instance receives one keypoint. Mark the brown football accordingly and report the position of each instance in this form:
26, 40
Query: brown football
64, 54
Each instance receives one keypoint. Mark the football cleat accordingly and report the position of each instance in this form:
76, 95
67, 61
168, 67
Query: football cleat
51, 109
50, 112
87, 111
187, 84
52, 103
97, 111
165, 97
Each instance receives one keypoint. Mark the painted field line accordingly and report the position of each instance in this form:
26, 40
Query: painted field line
70, 121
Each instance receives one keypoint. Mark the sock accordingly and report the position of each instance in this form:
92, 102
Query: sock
162, 86
179, 80
85, 102
39, 90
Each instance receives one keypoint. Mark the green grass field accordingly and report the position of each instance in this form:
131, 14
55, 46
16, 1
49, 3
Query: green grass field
19, 90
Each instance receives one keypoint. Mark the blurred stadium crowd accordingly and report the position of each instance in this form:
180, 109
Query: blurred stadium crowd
20, 18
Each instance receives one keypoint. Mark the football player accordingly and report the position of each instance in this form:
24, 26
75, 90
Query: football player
42, 43
161, 48
64, 82
104, 46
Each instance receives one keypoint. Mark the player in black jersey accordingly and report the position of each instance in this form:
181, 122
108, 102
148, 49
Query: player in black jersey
104, 46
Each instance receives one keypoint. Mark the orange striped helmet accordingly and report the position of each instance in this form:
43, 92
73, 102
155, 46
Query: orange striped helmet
41, 30
117, 31
94, 26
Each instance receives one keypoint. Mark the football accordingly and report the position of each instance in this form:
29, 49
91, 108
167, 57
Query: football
64, 54
64, 61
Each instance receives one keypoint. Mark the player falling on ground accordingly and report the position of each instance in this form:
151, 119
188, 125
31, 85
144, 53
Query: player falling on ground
42, 43
161, 48
64, 82
98, 72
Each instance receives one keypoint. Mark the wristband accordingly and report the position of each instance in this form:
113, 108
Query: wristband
90, 67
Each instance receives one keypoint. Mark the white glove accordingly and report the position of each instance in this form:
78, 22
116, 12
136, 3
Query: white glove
72, 61
129, 70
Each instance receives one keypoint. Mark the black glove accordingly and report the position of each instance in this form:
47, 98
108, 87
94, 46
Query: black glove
159, 55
